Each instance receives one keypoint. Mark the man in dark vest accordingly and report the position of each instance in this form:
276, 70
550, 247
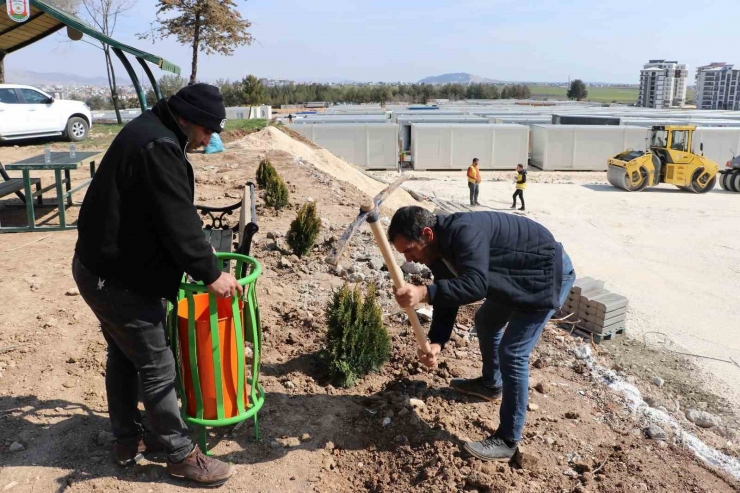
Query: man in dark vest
138, 233
524, 276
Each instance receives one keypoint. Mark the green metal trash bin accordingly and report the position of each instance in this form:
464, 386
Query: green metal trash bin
208, 336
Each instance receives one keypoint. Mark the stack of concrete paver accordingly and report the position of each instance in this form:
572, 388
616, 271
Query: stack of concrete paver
596, 309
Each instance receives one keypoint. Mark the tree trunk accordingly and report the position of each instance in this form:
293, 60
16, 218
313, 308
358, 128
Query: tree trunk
2, 68
112, 83
196, 42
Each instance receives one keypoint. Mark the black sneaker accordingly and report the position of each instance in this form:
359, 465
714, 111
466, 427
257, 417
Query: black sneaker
474, 386
521, 208
513, 207
491, 449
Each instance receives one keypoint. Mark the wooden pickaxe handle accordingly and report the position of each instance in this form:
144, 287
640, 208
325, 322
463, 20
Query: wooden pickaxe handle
396, 274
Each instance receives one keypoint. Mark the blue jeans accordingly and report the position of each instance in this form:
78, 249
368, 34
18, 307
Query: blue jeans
506, 353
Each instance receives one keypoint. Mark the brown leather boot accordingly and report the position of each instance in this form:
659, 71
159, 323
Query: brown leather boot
198, 467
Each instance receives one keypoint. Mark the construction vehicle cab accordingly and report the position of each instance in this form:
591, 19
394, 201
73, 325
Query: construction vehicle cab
670, 158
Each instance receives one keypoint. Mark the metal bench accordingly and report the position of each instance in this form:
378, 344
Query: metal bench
222, 238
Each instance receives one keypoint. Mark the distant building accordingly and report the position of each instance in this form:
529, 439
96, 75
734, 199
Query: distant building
663, 84
717, 87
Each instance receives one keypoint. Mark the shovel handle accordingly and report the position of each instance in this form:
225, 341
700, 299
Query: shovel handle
398, 282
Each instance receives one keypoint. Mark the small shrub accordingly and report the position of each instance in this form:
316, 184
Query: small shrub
304, 229
276, 195
264, 171
356, 341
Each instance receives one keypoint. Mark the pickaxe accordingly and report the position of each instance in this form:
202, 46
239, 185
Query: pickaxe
369, 211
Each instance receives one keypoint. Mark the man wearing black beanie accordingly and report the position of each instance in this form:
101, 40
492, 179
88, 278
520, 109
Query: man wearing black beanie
138, 233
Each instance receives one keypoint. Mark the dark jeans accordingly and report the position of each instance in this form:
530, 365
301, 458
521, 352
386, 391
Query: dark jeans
138, 353
519, 193
505, 353
474, 188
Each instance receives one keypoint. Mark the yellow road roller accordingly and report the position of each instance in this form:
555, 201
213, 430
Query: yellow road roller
669, 159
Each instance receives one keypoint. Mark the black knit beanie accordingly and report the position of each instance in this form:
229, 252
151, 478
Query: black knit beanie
201, 104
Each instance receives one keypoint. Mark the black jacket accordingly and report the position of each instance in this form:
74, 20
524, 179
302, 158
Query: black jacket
505, 258
138, 228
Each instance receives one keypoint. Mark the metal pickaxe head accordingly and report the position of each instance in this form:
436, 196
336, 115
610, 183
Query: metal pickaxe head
368, 211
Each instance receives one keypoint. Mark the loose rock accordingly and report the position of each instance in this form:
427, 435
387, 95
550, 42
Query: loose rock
386, 421
531, 406
413, 268
73, 292
17, 447
582, 352
284, 263
105, 438
703, 418
655, 432
658, 382
376, 263
541, 388
526, 459
305, 437
289, 442
357, 277
425, 313
416, 403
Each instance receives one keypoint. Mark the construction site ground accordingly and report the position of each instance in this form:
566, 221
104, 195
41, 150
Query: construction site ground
588, 428
674, 254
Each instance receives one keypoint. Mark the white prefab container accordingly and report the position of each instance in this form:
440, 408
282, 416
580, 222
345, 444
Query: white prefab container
582, 147
322, 119
249, 112
720, 144
453, 146
371, 145
405, 122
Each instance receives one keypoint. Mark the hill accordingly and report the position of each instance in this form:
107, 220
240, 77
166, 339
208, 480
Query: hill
28, 77
456, 78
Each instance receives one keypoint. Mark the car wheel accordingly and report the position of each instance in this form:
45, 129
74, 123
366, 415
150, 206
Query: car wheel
77, 129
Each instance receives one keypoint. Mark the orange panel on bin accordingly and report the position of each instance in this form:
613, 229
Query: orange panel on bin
204, 353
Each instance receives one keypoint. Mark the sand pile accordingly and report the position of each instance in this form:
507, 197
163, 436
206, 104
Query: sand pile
272, 139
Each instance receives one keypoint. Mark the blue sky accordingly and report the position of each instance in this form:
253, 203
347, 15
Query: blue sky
370, 40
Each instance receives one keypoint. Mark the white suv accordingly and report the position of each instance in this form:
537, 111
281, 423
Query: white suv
26, 112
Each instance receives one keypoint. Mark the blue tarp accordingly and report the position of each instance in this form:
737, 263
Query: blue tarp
215, 145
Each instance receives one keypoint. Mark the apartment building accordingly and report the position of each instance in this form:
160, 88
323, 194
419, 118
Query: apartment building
718, 87
663, 84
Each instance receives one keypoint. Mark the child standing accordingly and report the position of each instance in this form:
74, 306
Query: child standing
521, 184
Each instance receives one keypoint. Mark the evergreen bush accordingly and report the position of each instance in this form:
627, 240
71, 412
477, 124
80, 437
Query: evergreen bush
304, 229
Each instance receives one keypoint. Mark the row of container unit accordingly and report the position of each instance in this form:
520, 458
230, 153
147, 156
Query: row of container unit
322, 119
249, 112
499, 146
368, 145
440, 146
587, 147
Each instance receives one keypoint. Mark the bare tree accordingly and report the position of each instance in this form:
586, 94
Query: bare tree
210, 26
104, 14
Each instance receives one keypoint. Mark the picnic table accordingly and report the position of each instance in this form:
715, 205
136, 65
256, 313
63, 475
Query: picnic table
60, 162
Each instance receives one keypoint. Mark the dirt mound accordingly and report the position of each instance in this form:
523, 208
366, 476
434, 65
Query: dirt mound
272, 139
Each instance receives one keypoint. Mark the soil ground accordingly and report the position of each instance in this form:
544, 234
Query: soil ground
674, 254
580, 435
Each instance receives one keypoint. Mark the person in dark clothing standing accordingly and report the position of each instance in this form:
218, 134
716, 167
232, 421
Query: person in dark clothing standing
138, 232
524, 276
521, 184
